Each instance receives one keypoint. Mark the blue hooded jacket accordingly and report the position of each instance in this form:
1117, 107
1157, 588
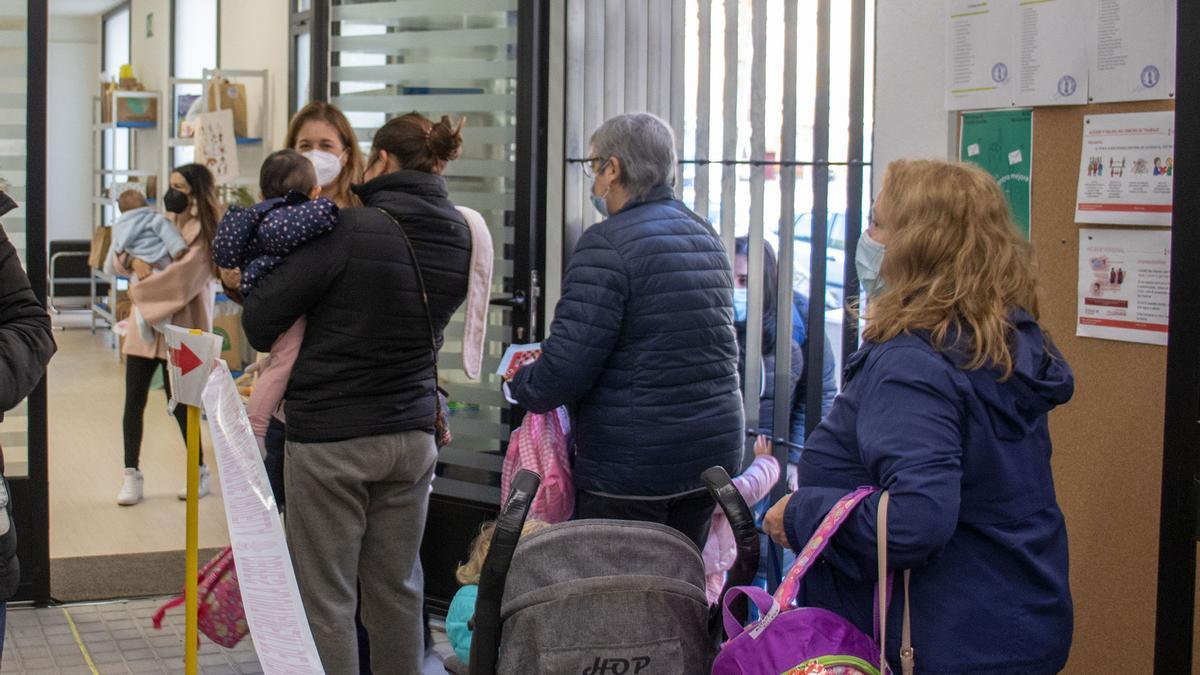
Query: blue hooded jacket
966, 459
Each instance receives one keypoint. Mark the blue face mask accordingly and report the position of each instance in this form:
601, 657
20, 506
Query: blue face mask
741, 304
868, 259
598, 201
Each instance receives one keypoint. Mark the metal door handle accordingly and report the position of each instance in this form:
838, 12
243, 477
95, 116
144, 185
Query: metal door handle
518, 299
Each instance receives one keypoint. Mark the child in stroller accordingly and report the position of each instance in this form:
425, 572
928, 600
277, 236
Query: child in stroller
601, 596
459, 626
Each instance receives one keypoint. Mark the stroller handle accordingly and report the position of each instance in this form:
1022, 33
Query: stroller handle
485, 641
741, 521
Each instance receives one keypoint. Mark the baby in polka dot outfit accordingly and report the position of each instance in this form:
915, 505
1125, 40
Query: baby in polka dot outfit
254, 240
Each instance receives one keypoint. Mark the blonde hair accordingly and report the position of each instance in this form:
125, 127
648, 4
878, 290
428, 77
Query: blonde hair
954, 264
468, 572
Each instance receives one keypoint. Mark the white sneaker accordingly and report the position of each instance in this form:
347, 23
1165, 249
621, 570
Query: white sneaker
205, 484
131, 488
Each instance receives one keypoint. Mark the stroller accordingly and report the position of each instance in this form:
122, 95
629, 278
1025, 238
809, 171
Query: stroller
602, 597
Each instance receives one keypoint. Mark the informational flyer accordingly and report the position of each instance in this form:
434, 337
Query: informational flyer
1127, 169
1001, 141
980, 54
1124, 285
216, 145
1131, 48
1053, 63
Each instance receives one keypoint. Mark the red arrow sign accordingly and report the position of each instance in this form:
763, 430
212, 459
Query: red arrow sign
185, 359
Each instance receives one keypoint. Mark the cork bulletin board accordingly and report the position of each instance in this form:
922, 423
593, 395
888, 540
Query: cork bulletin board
1108, 441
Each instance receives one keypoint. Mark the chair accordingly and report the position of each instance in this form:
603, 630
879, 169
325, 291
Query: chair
70, 274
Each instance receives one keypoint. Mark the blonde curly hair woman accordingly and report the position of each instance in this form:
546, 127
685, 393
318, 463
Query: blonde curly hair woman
945, 407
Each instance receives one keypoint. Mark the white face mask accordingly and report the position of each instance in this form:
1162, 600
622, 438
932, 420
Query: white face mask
327, 164
868, 258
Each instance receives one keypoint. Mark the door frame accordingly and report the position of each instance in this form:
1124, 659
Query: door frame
30, 494
1175, 622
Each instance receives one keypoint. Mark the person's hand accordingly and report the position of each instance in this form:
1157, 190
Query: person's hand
231, 278
763, 446
773, 522
141, 269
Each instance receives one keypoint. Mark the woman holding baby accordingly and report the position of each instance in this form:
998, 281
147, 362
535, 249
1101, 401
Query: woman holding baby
181, 293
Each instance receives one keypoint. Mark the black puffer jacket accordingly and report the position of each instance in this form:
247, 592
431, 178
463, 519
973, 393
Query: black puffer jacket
366, 367
643, 343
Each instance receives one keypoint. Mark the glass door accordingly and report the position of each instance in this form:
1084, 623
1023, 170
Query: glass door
23, 30
458, 59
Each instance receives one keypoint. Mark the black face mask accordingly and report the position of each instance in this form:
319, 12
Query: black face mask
175, 201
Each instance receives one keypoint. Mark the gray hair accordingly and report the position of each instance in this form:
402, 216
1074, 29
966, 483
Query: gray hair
645, 145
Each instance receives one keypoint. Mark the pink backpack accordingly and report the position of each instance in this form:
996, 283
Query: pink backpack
221, 616
540, 445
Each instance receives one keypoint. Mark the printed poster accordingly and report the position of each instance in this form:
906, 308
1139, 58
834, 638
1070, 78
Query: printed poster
1127, 169
1131, 49
980, 54
216, 145
1001, 142
1124, 285
1053, 64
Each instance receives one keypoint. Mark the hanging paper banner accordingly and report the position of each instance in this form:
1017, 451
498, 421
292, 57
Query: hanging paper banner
270, 597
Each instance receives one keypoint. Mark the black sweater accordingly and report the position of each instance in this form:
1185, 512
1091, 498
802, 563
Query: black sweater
365, 367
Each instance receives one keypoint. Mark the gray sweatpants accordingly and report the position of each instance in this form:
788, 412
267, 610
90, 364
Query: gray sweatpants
356, 513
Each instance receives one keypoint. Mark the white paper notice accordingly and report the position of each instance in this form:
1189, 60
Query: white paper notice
1053, 67
1124, 285
980, 53
1132, 50
274, 611
1127, 169
216, 145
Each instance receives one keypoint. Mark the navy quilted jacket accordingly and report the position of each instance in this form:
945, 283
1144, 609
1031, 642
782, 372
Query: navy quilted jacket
643, 347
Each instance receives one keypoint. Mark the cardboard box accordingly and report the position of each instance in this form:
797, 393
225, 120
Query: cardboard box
229, 327
132, 111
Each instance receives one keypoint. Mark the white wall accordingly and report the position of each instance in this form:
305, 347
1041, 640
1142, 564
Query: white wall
151, 61
254, 36
910, 60
73, 74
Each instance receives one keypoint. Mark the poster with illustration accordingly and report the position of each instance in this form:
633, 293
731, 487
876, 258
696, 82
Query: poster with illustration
1124, 285
1001, 141
1127, 169
216, 146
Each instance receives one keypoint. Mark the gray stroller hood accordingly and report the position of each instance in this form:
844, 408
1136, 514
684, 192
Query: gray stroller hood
597, 596
562, 556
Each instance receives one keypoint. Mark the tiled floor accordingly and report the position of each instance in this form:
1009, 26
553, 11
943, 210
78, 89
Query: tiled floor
120, 638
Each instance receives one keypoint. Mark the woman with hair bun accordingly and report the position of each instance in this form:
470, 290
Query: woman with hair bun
362, 400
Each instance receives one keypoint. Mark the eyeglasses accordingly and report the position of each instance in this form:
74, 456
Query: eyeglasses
590, 161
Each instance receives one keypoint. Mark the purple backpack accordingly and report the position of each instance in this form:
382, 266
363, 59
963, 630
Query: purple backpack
810, 640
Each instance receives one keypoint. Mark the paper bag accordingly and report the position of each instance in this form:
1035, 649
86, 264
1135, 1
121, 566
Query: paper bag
101, 241
226, 95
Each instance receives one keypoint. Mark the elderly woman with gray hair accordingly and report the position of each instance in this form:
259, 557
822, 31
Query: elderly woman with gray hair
643, 346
